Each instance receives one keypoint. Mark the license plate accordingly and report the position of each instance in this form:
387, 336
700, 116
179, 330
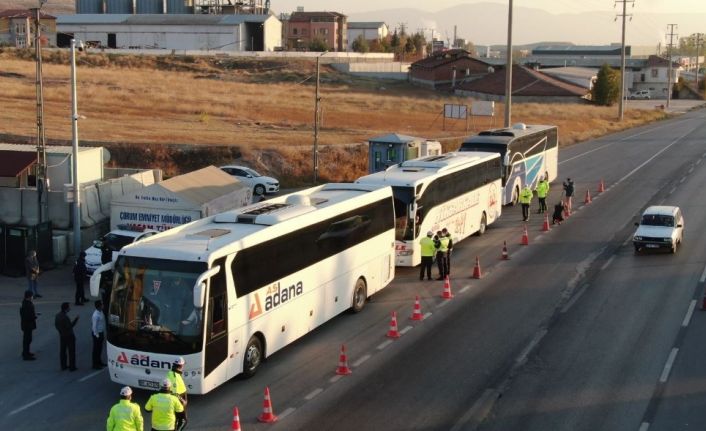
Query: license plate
651, 246
148, 384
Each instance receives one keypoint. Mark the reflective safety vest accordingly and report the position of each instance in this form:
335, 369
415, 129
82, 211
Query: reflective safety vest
542, 189
428, 247
178, 386
444, 244
124, 416
164, 408
526, 196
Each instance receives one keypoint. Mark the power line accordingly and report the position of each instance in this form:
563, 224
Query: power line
671, 35
624, 15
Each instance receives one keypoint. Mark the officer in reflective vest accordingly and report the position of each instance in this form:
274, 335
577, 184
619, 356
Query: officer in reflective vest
447, 234
525, 201
442, 254
428, 250
125, 415
542, 192
179, 390
164, 407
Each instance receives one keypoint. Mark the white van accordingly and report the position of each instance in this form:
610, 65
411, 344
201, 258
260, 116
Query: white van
641, 94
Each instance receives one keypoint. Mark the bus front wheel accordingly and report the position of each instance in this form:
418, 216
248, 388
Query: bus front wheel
515, 196
253, 356
360, 295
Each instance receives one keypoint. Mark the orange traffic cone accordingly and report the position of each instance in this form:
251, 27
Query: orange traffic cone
343, 369
588, 197
236, 420
504, 255
601, 186
417, 313
525, 237
476, 269
545, 225
393, 332
267, 415
447, 289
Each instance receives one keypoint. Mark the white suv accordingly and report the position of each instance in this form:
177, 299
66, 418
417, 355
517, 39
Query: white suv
641, 94
260, 184
114, 241
660, 227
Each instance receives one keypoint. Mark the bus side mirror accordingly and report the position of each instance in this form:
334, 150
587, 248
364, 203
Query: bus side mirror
506, 160
412, 210
95, 280
200, 295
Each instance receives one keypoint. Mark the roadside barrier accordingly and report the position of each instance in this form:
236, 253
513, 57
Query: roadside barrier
417, 312
447, 289
525, 237
235, 426
393, 332
343, 369
476, 269
268, 415
504, 255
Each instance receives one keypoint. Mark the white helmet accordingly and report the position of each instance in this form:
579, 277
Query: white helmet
179, 361
126, 391
166, 384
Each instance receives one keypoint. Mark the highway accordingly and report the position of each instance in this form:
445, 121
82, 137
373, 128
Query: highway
573, 332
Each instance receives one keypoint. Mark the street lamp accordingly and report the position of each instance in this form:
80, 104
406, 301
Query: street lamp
41, 177
316, 119
74, 136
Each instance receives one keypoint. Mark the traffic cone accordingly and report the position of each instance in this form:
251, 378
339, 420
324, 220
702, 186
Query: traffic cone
235, 426
588, 197
393, 332
504, 255
601, 186
267, 415
343, 369
525, 237
476, 269
545, 225
447, 289
417, 313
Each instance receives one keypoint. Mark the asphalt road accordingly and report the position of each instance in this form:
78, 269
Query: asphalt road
572, 333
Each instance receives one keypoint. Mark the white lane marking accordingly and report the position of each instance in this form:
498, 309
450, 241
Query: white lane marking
575, 298
384, 344
687, 318
703, 276
582, 207
35, 402
478, 411
668, 366
539, 238
406, 329
698, 161
644, 426
464, 288
361, 360
682, 180
525, 353
674, 189
426, 315
313, 393
95, 373
286, 413
691, 169
607, 264
335, 378
441, 304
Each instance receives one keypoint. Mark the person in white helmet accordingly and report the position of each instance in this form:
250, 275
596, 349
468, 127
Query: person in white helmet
125, 415
164, 407
179, 389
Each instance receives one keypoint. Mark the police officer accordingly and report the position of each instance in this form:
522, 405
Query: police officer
525, 201
448, 253
568, 193
542, 192
164, 407
125, 415
428, 250
442, 250
179, 390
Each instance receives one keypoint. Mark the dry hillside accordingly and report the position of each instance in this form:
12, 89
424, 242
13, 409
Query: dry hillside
180, 113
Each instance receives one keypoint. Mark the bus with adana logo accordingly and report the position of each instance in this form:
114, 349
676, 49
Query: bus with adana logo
226, 291
528, 152
457, 191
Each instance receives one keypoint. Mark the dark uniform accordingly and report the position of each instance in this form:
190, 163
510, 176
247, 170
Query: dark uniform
28, 323
67, 339
80, 272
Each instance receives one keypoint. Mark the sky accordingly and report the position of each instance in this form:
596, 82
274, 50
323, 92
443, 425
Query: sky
554, 6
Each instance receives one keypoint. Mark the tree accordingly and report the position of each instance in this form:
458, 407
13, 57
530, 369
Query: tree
360, 44
419, 42
471, 48
409, 47
318, 44
606, 90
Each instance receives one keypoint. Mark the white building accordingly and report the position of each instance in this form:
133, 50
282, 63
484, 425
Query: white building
369, 30
653, 76
178, 32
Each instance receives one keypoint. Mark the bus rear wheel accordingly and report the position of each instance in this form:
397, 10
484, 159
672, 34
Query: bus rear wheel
253, 356
515, 196
360, 295
483, 224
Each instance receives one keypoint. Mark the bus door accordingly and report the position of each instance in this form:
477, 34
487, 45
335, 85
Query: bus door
216, 326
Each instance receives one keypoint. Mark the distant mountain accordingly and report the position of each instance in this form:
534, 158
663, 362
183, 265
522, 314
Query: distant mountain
486, 24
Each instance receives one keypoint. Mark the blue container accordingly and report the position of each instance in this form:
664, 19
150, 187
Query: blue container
149, 6
119, 6
178, 7
89, 6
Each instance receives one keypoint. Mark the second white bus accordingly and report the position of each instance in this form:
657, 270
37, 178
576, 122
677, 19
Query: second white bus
227, 290
457, 191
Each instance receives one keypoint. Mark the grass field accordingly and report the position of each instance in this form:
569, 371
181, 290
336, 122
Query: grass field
140, 106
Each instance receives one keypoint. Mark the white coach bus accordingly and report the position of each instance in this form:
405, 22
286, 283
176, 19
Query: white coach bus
528, 153
456, 191
226, 291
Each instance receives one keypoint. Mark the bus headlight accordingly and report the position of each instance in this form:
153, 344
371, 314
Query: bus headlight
667, 240
637, 238
404, 252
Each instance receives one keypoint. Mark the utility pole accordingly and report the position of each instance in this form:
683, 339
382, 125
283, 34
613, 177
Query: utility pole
621, 105
508, 70
671, 35
316, 118
698, 46
74, 171
41, 177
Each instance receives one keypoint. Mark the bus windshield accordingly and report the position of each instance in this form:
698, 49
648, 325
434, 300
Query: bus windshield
152, 307
405, 218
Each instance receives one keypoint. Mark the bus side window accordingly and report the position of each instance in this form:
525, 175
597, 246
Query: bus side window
217, 316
